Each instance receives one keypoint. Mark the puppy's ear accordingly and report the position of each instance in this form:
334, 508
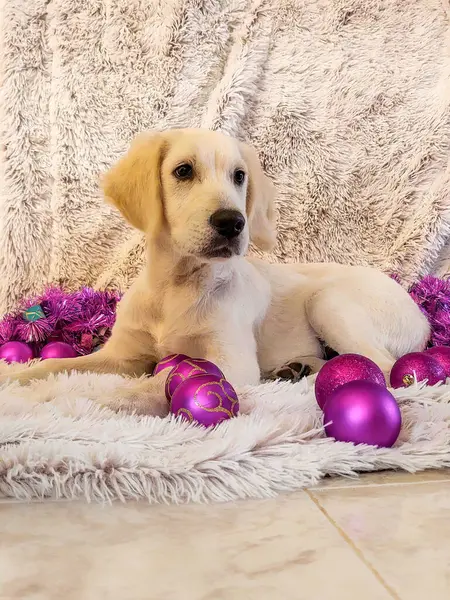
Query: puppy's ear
260, 202
133, 184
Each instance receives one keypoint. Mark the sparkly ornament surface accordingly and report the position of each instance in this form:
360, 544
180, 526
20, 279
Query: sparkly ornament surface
442, 355
170, 361
205, 399
189, 367
343, 369
362, 412
416, 366
34, 313
19, 352
57, 350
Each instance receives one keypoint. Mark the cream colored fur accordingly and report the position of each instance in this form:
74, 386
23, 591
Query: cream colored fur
200, 296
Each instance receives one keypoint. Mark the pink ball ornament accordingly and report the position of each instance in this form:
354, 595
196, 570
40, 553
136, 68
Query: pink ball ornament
205, 399
57, 350
363, 412
442, 355
416, 366
169, 362
19, 352
189, 367
343, 369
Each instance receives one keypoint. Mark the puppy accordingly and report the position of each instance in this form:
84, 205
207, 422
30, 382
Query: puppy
200, 197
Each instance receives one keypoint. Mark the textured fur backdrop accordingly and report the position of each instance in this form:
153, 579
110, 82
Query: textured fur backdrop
347, 102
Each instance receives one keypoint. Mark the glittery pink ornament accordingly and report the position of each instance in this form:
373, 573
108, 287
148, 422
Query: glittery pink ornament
362, 412
343, 369
205, 399
416, 366
442, 355
169, 362
19, 352
189, 367
57, 350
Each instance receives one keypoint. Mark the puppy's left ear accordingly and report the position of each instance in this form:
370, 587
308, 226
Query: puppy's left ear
260, 202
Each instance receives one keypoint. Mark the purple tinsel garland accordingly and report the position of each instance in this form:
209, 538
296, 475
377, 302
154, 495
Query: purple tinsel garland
433, 297
84, 319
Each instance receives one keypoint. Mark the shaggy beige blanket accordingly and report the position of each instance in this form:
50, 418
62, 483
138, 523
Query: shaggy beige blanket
72, 448
347, 102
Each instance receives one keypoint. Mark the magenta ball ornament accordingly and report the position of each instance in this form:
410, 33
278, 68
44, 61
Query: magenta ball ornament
169, 362
205, 399
442, 355
189, 367
16, 352
416, 366
341, 370
363, 412
57, 350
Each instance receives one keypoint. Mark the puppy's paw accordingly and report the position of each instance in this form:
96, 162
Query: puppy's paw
144, 396
292, 372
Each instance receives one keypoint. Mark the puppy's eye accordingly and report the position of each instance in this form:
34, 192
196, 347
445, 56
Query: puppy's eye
239, 177
184, 171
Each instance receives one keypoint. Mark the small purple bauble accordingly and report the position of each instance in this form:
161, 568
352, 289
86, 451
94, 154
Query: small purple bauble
416, 366
205, 399
343, 369
170, 361
19, 352
189, 367
57, 350
442, 355
363, 412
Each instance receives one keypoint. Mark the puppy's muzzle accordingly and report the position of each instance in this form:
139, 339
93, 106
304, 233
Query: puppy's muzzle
228, 223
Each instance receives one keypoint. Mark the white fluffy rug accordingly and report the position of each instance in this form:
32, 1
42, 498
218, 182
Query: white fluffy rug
56, 441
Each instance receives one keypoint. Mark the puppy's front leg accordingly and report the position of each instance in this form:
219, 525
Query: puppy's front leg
98, 362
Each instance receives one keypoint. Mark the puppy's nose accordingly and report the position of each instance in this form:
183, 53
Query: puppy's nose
228, 223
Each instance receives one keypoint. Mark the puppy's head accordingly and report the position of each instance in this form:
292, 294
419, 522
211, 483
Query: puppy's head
202, 190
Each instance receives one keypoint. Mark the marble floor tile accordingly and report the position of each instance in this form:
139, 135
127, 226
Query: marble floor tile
384, 478
280, 549
401, 531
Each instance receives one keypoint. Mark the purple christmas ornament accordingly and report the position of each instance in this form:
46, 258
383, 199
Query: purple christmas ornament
442, 355
169, 362
189, 367
343, 369
416, 366
57, 350
362, 412
205, 399
19, 352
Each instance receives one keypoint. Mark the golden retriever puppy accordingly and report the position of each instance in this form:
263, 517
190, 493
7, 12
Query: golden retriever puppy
200, 197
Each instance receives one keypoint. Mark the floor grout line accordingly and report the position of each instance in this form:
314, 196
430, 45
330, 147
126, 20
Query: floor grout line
354, 547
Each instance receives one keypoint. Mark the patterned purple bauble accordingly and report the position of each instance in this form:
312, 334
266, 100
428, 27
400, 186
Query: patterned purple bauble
57, 350
205, 399
169, 362
362, 412
416, 366
442, 355
189, 367
343, 369
19, 352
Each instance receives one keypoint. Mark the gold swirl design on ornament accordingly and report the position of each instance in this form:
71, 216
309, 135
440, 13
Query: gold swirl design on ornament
195, 367
220, 408
168, 359
186, 412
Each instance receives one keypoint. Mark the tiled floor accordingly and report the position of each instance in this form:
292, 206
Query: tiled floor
381, 537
